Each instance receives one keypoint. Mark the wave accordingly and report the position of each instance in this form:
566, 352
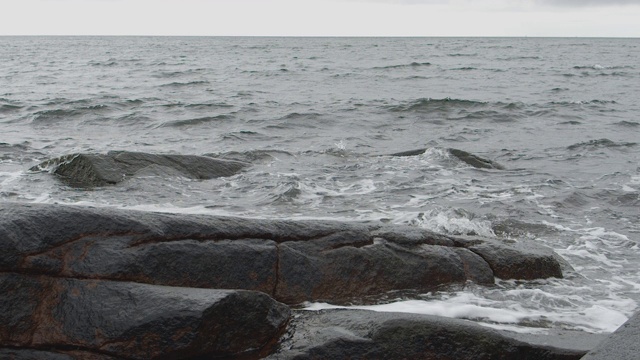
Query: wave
627, 123
184, 84
600, 143
462, 54
501, 112
173, 74
429, 105
620, 198
600, 67
109, 63
196, 121
197, 105
510, 58
55, 115
7, 108
403, 66
592, 102
301, 116
284, 193
254, 156
246, 135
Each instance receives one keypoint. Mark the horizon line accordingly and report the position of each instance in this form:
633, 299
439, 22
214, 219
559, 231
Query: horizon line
328, 36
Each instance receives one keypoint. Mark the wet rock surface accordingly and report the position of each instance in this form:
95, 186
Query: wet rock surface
136, 321
293, 261
34, 354
621, 345
93, 170
361, 334
98, 283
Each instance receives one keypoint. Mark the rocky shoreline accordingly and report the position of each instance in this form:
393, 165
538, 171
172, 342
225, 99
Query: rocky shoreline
91, 282
79, 282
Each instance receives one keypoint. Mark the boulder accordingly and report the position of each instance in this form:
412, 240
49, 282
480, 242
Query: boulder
621, 345
92, 170
293, 261
136, 321
362, 334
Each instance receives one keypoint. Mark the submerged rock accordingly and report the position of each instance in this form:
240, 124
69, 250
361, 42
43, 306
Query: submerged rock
361, 334
474, 160
293, 261
136, 321
468, 158
91, 170
255, 156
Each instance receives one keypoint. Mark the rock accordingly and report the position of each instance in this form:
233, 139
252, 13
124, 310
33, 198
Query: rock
621, 345
91, 170
350, 265
515, 261
136, 321
468, 158
361, 334
474, 160
409, 153
34, 354
293, 261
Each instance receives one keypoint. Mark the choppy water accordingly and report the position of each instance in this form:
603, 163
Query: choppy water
562, 115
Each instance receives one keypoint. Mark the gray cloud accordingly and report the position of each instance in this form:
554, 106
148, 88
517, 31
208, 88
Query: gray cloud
564, 3
583, 3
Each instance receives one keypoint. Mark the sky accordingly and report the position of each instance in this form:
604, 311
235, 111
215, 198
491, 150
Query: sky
565, 18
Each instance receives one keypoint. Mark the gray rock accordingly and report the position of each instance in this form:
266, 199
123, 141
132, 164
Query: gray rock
515, 261
136, 321
34, 354
293, 261
623, 344
92, 170
361, 334
474, 160
468, 158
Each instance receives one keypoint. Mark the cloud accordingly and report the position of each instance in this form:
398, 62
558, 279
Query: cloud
583, 3
572, 3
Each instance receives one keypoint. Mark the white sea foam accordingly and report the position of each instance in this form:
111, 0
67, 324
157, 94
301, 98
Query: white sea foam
8, 178
448, 221
508, 315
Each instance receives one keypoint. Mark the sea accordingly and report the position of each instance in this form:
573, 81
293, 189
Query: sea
318, 119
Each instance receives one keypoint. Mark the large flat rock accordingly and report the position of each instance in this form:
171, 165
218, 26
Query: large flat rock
135, 321
293, 261
93, 170
361, 334
623, 344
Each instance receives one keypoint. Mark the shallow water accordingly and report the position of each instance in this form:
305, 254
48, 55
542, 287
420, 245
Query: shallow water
317, 117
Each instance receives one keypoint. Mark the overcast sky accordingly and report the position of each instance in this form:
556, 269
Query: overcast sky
599, 18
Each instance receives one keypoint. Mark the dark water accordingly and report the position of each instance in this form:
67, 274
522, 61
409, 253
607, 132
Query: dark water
314, 114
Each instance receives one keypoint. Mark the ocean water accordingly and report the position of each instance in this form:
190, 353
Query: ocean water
318, 117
